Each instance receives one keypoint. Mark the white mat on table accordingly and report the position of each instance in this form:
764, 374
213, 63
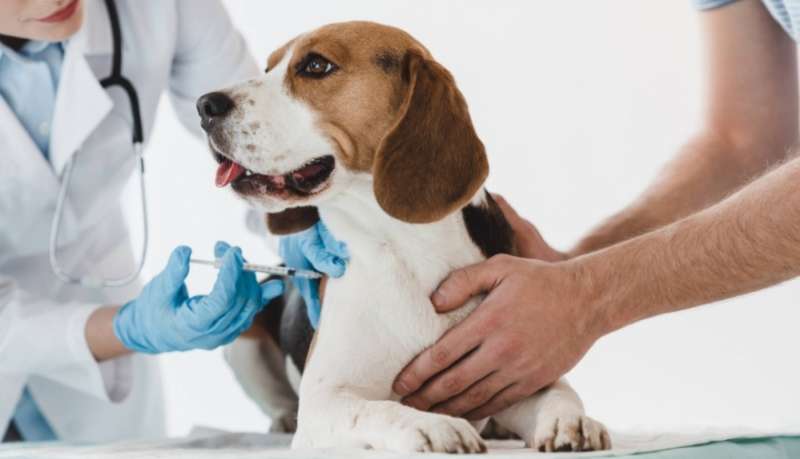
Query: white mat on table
209, 443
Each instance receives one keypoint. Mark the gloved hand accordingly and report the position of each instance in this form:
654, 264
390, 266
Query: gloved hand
317, 249
164, 318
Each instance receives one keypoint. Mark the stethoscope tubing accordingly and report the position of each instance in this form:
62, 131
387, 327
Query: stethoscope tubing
114, 79
55, 229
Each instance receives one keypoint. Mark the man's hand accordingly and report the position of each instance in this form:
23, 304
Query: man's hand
529, 330
539, 319
527, 240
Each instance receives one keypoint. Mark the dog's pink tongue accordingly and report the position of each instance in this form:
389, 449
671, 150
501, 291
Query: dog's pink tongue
228, 172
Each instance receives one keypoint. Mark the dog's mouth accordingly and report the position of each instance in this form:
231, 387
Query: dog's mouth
309, 179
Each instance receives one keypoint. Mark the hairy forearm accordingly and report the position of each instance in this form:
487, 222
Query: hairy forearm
748, 241
705, 172
100, 337
750, 123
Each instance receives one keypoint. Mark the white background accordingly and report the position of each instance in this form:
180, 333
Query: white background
579, 103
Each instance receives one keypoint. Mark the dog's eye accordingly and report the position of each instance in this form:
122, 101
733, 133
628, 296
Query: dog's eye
316, 66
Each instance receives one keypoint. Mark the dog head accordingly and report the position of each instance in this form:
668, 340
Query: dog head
346, 102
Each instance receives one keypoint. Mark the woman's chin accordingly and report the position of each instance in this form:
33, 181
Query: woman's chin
58, 32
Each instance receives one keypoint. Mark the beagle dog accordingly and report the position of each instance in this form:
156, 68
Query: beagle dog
356, 123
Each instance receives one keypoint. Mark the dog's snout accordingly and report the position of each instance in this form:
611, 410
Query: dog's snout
214, 106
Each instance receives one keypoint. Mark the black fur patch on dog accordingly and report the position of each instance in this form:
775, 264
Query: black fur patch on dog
296, 331
286, 322
269, 318
488, 228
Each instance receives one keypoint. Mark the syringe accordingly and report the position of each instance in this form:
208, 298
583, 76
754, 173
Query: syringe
276, 270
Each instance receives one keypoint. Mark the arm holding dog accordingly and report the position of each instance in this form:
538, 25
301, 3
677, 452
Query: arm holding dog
747, 242
751, 123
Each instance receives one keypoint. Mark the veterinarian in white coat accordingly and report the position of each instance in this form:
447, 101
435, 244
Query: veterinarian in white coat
66, 366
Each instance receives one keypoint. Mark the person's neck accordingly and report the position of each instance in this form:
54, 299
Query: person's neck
14, 43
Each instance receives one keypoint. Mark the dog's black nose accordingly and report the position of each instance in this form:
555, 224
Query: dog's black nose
213, 106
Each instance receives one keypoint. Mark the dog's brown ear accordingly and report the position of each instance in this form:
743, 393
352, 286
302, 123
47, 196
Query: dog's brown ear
292, 220
431, 162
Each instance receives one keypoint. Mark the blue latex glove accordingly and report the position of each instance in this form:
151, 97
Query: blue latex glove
164, 318
317, 249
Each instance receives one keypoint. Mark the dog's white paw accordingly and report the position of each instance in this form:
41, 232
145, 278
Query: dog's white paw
427, 432
301, 440
569, 433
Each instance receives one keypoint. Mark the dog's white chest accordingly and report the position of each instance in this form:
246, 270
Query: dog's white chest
380, 309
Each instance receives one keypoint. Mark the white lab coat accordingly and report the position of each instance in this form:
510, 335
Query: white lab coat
186, 46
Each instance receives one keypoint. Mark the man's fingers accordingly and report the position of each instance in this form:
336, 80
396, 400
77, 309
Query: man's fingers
452, 382
462, 284
509, 212
529, 241
525, 231
475, 396
448, 350
502, 400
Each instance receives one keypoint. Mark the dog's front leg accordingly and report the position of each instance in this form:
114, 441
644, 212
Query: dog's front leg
259, 366
340, 417
553, 419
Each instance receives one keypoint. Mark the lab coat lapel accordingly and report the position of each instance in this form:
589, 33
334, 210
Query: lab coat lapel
25, 161
81, 103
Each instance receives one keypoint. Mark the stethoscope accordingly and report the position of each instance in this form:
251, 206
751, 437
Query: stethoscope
115, 79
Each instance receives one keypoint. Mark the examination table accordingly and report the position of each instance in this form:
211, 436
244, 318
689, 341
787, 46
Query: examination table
208, 443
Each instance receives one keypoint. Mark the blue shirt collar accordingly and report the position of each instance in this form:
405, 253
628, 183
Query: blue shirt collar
28, 51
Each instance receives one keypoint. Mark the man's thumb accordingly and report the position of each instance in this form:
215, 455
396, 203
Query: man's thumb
463, 284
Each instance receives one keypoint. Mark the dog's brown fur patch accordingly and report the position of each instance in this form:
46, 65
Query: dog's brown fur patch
432, 162
359, 103
391, 110
292, 220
